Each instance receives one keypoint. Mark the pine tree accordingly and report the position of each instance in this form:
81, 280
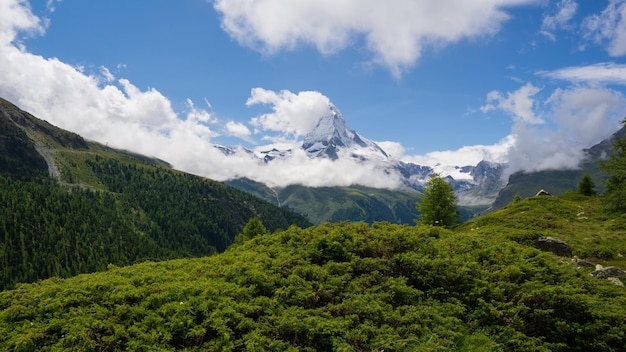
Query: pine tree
615, 166
253, 228
586, 186
437, 206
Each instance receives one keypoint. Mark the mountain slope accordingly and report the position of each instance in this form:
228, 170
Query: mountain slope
330, 287
354, 203
100, 205
558, 182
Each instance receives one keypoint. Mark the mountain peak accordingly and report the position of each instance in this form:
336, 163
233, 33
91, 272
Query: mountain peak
332, 135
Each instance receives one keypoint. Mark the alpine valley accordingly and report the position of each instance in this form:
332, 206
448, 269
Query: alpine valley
481, 187
107, 250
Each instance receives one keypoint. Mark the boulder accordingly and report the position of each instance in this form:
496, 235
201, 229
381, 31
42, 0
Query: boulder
609, 271
582, 262
554, 245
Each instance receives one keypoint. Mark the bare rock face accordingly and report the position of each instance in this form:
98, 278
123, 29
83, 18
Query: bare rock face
554, 245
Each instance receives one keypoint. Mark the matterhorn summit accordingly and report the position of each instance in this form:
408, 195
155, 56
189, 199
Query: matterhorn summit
331, 138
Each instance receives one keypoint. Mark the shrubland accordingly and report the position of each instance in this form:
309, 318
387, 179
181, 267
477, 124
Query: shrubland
344, 287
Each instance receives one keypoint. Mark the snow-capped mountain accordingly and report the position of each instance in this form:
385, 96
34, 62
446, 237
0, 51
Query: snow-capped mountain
331, 136
332, 139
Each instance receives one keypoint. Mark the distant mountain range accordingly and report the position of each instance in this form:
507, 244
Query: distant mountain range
479, 187
332, 139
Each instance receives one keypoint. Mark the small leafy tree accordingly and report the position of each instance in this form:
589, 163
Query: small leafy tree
517, 198
615, 166
586, 186
438, 205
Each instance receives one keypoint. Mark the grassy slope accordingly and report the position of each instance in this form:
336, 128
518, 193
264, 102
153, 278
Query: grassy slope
579, 220
349, 287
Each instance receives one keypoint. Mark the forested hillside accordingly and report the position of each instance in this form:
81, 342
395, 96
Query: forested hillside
69, 206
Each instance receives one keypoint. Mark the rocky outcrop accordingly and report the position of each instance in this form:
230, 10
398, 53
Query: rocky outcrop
609, 271
554, 245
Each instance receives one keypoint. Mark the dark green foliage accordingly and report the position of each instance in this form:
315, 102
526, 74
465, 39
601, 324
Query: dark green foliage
149, 213
615, 166
188, 212
346, 287
437, 206
18, 155
253, 228
47, 231
586, 186
354, 203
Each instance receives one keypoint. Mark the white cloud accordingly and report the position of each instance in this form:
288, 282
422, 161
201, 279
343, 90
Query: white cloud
106, 74
16, 16
395, 32
292, 114
604, 72
520, 104
52, 4
300, 169
565, 11
586, 115
578, 118
447, 161
96, 106
609, 25
237, 129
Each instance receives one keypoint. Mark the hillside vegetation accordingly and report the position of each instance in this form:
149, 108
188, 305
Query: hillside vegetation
345, 287
354, 203
69, 206
581, 221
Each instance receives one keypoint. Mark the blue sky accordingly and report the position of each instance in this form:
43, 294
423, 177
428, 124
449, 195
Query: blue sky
529, 82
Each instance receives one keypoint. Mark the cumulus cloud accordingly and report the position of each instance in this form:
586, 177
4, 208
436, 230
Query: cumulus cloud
396, 33
576, 118
565, 11
238, 129
609, 27
292, 114
519, 104
98, 106
300, 169
15, 17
